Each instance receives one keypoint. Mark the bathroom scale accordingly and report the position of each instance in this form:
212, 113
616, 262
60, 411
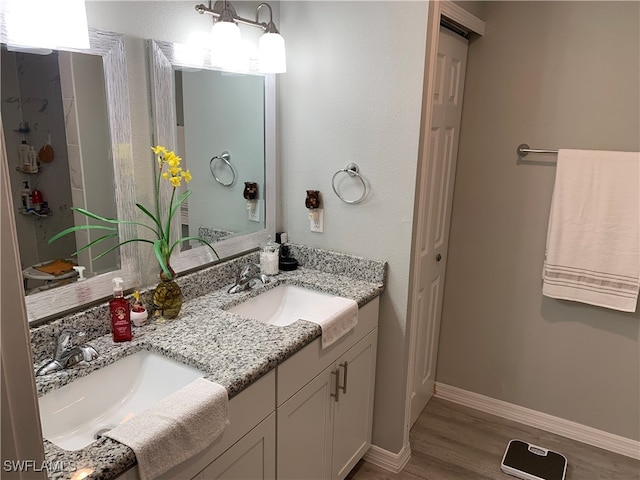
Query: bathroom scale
531, 462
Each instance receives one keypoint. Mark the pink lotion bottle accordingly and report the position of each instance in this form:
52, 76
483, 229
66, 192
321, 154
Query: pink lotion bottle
120, 314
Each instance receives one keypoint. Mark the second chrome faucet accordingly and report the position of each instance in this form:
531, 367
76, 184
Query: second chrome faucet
248, 276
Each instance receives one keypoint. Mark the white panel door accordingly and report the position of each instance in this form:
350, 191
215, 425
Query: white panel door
435, 201
253, 457
305, 428
353, 409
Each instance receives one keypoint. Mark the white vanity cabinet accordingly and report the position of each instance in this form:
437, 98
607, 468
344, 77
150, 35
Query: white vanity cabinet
325, 404
253, 457
310, 418
245, 449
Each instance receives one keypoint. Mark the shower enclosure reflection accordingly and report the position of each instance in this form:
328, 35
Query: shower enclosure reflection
56, 104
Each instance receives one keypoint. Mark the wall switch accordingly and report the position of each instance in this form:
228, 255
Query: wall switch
253, 210
316, 220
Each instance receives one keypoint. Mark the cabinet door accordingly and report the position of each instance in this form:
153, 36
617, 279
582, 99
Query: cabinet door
250, 458
354, 409
305, 429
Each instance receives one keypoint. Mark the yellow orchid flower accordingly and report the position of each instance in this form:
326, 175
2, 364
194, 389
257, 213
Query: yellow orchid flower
175, 181
172, 159
175, 171
187, 176
159, 150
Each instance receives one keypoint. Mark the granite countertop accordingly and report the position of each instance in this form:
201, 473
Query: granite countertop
234, 351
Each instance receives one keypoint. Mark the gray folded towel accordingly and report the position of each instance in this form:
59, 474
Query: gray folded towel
176, 428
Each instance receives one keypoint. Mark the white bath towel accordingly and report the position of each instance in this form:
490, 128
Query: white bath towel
593, 241
336, 318
176, 428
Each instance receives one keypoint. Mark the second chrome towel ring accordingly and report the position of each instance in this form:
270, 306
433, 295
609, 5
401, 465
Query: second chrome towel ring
224, 157
353, 171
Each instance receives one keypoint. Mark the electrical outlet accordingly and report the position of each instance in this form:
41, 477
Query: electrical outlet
254, 212
316, 220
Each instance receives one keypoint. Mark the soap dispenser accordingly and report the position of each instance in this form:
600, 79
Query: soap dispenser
120, 314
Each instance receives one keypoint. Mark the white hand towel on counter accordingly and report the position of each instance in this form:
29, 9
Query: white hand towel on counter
337, 317
176, 428
593, 241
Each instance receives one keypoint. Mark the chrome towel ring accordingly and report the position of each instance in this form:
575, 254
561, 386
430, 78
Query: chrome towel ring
353, 171
224, 157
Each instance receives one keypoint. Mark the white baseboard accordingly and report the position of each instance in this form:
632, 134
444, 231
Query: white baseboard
533, 418
394, 462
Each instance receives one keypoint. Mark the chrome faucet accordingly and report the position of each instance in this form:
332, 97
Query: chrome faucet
247, 276
67, 354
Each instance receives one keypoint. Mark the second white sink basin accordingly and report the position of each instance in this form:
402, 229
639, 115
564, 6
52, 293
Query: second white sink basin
282, 305
74, 414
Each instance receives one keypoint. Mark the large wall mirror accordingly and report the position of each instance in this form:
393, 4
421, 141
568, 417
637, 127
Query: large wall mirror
223, 126
72, 107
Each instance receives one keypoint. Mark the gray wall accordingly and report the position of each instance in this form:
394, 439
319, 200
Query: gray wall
353, 93
553, 75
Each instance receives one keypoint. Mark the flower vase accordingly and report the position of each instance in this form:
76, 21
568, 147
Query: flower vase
167, 297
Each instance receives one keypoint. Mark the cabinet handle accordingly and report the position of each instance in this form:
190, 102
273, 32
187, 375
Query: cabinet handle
336, 395
345, 365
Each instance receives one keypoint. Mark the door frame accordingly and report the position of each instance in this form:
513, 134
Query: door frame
437, 10
21, 432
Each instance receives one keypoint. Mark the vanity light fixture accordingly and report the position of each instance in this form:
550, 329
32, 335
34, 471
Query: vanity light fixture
226, 38
40, 26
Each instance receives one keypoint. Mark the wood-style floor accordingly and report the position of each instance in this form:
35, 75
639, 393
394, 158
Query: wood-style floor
453, 442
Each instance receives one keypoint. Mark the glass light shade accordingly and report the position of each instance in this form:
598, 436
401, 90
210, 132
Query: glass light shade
271, 53
44, 24
226, 46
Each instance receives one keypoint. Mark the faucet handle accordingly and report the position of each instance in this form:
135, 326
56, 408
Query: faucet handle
249, 270
64, 340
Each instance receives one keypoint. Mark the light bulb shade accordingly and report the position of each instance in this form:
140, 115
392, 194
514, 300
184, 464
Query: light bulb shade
46, 24
226, 46
271, 53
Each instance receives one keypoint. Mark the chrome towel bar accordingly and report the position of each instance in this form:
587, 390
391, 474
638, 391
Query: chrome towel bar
524, 150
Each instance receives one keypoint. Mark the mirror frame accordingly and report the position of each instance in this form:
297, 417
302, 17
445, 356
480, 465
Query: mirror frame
162, 60
54, 303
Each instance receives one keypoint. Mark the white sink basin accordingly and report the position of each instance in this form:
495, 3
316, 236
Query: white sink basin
282, 305
72, 415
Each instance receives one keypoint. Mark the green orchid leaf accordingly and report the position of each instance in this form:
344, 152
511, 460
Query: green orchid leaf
199, 239
81, 227
167, 229
179, 201
97, 217
122, 243
90, 244
157, 248
150, 215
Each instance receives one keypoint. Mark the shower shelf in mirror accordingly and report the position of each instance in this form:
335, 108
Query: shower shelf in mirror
42, 213
28, 172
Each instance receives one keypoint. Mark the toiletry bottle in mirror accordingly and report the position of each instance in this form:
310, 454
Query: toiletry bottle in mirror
32, 157
23, 156
36, 200
26, 196
120, 314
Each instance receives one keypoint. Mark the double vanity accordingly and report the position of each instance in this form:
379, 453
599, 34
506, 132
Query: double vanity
296, 410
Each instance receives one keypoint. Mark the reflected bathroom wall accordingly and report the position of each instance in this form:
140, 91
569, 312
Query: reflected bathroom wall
218, 112
44, 109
